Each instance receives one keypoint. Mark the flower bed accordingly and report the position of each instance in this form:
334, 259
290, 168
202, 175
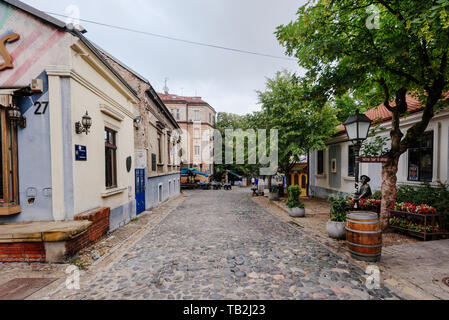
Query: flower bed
367, 204
420, 221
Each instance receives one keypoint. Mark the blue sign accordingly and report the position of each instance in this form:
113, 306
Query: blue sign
80, 153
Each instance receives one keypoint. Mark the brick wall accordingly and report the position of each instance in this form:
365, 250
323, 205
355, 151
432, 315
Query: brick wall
22, 252
99, 227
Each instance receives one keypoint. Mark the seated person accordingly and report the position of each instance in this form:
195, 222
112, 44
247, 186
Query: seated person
365, 190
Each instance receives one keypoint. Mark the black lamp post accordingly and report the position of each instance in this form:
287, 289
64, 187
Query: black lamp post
357, 128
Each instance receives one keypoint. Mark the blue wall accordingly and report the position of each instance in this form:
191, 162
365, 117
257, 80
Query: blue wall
122, 215
151, 194
34, 161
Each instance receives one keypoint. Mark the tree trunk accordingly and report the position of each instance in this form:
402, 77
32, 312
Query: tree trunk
389, 188
269, 182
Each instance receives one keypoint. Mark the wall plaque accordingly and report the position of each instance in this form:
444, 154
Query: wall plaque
80, 153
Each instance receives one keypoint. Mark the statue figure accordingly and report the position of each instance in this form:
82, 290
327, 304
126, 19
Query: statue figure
365, 190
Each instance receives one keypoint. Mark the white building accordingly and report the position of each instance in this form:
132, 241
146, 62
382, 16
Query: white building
332, 170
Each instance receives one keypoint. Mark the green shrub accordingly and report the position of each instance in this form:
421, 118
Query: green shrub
437, 197
339, 205
294, 192
377, 195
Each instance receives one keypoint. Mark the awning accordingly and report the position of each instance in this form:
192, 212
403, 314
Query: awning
235, 174
186, 172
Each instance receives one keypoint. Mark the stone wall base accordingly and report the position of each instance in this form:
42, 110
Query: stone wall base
58, 251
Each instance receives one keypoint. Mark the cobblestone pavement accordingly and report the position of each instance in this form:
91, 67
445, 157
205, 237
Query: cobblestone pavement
221, 245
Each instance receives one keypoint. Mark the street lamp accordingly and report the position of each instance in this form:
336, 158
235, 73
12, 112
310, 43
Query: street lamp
357, 129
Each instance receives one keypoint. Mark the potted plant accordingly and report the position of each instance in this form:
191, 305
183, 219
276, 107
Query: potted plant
274, 193
295, 207
336, 226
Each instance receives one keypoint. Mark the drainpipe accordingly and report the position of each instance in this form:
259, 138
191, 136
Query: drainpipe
308, 173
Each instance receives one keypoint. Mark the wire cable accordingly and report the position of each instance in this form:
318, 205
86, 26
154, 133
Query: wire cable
177, 39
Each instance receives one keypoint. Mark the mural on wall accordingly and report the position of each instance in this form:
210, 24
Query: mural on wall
10, 38
28, 46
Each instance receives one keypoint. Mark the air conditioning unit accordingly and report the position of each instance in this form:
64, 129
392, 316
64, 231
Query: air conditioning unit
37, 85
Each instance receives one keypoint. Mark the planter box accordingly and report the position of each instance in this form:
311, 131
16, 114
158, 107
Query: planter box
425, 220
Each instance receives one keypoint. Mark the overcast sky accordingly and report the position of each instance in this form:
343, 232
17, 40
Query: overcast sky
226, 80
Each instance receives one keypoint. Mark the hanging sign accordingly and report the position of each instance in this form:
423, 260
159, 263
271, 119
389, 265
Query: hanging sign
374, 159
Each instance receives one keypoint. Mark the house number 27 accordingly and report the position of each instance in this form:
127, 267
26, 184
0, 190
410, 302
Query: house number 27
41, 107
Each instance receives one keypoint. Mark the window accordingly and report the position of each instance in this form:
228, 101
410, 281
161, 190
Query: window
177, 114
351, 162
197, 150
197, 115
320, 160
111, 158
8, 161
420, 159
153, 162
159, 148
210, 118
168, 150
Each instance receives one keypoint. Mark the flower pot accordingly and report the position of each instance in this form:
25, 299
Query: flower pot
297, 212
273, 196
336, 230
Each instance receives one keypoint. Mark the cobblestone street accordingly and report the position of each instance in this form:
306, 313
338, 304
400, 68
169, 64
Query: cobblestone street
221, 245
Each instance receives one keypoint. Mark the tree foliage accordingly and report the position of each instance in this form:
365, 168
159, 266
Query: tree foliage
406, 54
234, 121
303, 119
342, 48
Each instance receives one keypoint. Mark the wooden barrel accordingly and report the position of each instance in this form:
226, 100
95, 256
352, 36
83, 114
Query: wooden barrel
364, 235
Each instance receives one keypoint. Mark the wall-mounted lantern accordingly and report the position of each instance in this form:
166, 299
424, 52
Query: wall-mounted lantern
138, 120
84, 125
16, 118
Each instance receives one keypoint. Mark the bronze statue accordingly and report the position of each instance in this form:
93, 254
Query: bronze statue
365, 190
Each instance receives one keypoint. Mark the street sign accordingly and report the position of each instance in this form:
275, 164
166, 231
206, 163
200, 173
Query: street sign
374, 159
80, 153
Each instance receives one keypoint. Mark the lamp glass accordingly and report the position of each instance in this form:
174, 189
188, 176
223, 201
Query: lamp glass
351, 130
363, 130
87, 121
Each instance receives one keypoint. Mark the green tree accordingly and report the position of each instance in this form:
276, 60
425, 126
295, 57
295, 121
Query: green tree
342, 48
233, 121
303, 118
346, 106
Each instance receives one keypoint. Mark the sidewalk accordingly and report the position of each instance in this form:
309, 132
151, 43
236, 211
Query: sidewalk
412, 269
93, 258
